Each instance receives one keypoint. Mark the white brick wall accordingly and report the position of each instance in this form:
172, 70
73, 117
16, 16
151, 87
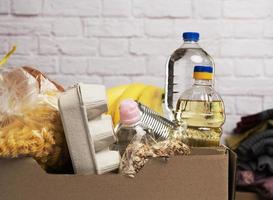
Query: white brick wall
119, 41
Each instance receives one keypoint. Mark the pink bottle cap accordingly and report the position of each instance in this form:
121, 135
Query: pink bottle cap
129, 112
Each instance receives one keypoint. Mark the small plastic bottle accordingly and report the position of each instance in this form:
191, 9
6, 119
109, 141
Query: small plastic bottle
129, 125
202, 109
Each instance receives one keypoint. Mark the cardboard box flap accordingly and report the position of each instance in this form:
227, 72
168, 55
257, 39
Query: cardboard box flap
24, 167
247, 196
182, 177
209, 150
232, 173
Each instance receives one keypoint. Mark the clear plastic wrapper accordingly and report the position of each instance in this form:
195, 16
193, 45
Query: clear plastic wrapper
144, 146
30, 124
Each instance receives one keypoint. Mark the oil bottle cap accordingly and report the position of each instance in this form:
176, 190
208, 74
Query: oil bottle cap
191, 36
203, 72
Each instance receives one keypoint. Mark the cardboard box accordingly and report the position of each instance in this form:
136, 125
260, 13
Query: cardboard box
206, 174
247, 196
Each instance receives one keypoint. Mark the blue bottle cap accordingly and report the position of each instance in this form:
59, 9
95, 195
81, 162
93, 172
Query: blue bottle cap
191, 36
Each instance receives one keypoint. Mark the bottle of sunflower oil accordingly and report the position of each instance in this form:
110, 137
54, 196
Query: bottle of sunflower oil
202, 109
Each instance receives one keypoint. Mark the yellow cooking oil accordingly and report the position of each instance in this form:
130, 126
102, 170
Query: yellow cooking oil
204, 120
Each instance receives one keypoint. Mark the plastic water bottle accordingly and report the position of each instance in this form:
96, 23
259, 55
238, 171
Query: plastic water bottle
179, 69
202, 109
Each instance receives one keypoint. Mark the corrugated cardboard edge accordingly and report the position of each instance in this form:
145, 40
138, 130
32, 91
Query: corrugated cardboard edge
208, 150
232, 173
232, 163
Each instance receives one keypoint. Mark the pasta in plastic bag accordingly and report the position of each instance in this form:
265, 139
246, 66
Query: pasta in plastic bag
30, 124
